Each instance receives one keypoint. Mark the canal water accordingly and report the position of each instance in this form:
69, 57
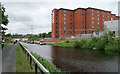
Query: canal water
76, 60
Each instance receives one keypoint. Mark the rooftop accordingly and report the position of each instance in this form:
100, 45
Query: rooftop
83, 8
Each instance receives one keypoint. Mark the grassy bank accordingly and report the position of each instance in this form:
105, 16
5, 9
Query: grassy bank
6, 44
106, 42
22, 63
49, 66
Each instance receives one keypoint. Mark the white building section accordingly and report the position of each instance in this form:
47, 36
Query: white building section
113, 26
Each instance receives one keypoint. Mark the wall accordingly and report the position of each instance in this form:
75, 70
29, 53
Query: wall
52, 40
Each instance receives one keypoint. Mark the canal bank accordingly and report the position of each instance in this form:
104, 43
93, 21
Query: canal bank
76, 59
105, 43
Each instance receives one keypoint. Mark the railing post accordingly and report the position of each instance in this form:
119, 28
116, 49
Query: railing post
31, 62
35, 68
28, 55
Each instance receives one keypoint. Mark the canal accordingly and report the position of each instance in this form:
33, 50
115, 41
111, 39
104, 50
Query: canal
76, 60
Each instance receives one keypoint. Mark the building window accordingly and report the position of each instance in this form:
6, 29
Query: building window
98, 27
71, 15
92, 22
103, 19
92, 13
64, 27
83, 27
64, 14
64, 32
56, 14
113, 32
108, 13
64, 22
103, 15
98, 14
56, 31
56, 11
83, 18
92, 10
97, 11
56, 18
83, 32
56, 36
71, 27
56, 27
71, 23
83, 14
92, 32
64, 18
71, 32
64, 11
98, 18
108, 16
71, 19
56, 22
98, 23
103, 12
92, 27
83, 22
92, 18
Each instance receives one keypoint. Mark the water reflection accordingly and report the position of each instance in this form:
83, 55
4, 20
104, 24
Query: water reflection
82, 60
77, 60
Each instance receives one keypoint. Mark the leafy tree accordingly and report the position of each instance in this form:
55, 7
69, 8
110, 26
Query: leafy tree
49, 34
97, 31
4, 20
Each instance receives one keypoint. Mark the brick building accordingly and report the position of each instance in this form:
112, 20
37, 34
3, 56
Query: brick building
67, 23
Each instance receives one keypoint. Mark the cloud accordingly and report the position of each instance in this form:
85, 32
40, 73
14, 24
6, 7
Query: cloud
38, 14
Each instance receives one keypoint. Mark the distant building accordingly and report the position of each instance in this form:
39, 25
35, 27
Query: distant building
68, 23
113, 26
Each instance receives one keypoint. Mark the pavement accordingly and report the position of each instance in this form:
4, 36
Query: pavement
0, 61
9, 58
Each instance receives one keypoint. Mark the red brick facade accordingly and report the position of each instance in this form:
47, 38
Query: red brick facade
52, 40
67, 23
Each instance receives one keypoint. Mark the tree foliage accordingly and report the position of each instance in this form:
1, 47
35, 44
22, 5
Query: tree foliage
4, 19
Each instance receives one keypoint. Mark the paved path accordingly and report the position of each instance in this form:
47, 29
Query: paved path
9, 58
0, 61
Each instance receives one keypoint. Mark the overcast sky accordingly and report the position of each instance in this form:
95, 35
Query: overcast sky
24, 15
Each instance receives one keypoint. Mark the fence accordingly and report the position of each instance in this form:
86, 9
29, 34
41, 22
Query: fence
37, 63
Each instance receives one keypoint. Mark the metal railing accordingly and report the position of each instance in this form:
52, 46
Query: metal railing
37, 63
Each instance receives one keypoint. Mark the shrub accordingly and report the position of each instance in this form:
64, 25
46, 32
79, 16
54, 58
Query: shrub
67, 41
49, 66
76, 44
83, 43
112, 47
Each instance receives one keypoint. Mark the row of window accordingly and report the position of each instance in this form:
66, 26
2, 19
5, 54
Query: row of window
93, 22
93, 27
98, 15
83, 15
65, 18
65, 27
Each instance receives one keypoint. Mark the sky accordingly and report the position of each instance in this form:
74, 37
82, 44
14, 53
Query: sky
35, 16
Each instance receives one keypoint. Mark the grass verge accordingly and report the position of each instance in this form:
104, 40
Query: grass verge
22, 63
6, 44
49, 66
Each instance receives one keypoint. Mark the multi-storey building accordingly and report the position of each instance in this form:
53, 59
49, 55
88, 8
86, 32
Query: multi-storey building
67, 23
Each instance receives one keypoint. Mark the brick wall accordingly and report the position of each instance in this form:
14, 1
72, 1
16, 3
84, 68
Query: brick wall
52, 40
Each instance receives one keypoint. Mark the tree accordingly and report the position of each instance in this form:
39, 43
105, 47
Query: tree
49, 34
4, 20
43, 35
97, 31
40, 35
